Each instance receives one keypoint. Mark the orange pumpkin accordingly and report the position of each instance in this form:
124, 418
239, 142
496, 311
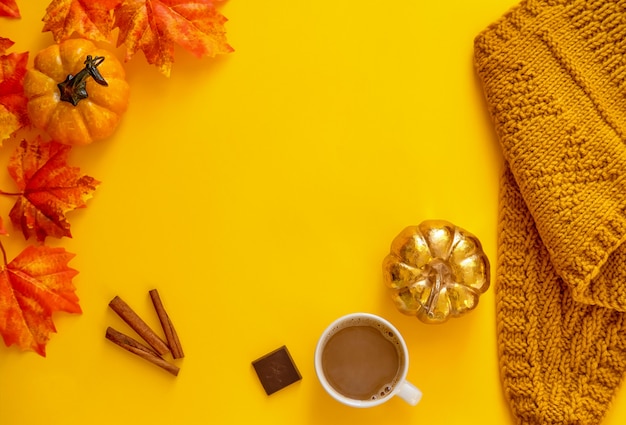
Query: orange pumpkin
77, 92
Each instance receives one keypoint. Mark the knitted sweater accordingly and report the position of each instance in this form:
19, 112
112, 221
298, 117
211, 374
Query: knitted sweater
554, 76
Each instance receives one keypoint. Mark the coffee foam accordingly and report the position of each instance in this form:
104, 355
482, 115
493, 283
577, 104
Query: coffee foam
388, 333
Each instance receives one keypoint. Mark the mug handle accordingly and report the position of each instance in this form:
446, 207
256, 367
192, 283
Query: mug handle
410, 393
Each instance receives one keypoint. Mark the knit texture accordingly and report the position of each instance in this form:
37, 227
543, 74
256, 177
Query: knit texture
554, 76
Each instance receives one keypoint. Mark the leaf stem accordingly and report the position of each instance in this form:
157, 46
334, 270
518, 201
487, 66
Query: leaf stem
4, 254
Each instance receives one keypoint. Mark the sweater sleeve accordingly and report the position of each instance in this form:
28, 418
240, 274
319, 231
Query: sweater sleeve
554, 76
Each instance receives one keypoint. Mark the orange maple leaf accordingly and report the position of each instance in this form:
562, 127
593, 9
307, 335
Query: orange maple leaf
9, 9
87, 18
155, 26
34, 285
13, 113
49, 188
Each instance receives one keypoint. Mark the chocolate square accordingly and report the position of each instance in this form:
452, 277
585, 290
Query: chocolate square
276, 370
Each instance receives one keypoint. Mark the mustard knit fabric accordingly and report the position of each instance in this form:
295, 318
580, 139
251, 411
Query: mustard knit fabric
554, 76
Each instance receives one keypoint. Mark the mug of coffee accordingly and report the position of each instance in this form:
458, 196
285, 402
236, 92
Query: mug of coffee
362, 360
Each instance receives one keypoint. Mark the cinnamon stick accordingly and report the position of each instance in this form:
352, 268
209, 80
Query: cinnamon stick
134, 321
168, 327
139, 349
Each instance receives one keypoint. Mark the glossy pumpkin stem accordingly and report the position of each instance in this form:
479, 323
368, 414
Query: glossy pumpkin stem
74, 88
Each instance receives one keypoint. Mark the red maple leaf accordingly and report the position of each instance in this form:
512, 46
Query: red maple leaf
87, 18
5, 44
9, 9
13, 113
48, 189
156, 26
37, 283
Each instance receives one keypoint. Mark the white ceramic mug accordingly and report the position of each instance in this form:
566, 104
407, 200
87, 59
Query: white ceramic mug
355, 356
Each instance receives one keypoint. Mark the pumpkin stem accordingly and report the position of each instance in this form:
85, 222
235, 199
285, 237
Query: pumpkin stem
73, 89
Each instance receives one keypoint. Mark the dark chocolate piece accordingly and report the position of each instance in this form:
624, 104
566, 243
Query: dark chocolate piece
276, 370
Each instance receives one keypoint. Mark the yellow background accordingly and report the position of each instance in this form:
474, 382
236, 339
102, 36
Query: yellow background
259, 192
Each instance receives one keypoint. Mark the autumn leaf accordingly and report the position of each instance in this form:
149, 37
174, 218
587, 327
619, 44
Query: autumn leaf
9, 9
37, 283
156, 26
13, 113
86, 18
48, 189
5, 44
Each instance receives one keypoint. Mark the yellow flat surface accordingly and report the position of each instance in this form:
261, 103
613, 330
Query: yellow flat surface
259, 192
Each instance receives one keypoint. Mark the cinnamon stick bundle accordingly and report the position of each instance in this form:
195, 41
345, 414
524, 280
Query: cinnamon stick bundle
134, 321
168, 327
139, 349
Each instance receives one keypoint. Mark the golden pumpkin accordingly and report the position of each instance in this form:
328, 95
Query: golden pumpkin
436, 271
